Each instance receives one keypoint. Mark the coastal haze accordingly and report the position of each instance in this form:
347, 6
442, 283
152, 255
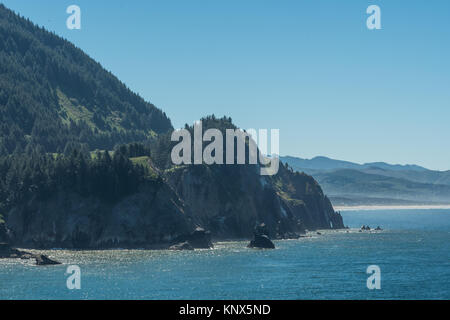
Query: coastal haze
94, 206
376, 184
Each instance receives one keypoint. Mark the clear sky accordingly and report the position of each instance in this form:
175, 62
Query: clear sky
309, 68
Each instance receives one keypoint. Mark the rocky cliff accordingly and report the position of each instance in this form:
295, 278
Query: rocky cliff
226, 200
153, 216
57, 106
231, 200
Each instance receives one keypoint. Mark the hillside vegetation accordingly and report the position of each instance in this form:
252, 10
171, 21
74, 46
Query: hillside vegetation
86, 163
52, 94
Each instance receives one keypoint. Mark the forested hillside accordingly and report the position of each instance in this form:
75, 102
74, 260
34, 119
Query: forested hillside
58, 107
52, 94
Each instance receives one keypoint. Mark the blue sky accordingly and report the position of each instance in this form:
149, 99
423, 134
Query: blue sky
309, 68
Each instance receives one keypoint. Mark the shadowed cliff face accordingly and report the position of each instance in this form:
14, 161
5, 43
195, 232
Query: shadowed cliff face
152, 216
306, 200
73, 199
227, 200
231, 200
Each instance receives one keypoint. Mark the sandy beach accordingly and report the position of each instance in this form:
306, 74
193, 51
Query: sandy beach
391, 207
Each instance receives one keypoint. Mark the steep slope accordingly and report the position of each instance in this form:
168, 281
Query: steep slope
103, 201
151, 217
54, 97
230, 199
52, 93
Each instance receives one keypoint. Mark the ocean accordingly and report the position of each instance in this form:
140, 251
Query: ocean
412, 253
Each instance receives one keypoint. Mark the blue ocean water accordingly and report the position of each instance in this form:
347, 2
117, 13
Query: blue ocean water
413, 253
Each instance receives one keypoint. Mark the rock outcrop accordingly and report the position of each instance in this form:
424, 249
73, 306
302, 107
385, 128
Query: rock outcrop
4, 238
261, 238
230, 200
227, 200
198, 239
6, 252
153, 216
182, 246
42, 260
262, 242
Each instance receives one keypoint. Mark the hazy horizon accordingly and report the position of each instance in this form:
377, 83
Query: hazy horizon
311, 69
360, 163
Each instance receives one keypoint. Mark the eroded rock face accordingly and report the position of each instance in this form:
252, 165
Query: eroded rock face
225, 200
4, 238
181, 246
155, 215
261, 238
261, 242
6, 252
230, 200
198, 239
201, 239
42, 260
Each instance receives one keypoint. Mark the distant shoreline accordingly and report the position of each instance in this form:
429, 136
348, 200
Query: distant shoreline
391, 207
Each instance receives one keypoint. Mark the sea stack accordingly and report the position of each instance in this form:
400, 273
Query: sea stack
261, 238
198, 239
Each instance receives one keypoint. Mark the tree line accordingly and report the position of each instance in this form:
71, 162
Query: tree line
42, 76
103, 174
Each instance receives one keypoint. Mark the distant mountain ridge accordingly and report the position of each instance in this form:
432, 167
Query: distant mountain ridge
324, 163
375, 183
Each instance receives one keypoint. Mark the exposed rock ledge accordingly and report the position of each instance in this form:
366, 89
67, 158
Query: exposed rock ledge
261, 238
199, 239
41, 260
182, 246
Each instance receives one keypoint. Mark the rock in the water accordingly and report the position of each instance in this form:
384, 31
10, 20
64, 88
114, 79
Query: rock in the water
182, 246
42, 260
261, 241
199, 239
261, 238
288, 235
